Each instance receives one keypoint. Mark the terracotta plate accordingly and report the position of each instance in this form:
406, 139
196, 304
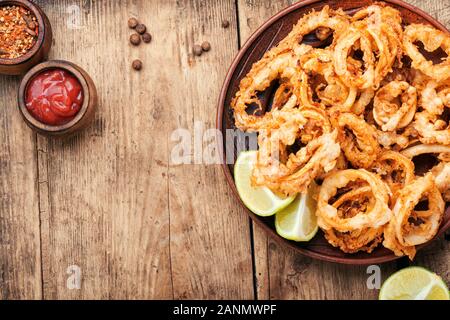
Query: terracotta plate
267, 36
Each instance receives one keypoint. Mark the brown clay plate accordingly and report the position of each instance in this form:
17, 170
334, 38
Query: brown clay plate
267, 36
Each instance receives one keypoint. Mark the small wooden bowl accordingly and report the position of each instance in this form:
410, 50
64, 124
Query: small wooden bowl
41, 48
267, 36
83, 118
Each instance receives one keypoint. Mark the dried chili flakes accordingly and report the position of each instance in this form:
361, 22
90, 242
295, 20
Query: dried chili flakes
18, 31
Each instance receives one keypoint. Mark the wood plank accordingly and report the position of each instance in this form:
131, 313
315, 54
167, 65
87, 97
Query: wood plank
210, 235
107, 200
292, 276
20, 259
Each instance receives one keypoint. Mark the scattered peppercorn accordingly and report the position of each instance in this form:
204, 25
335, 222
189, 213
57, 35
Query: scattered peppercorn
197, 50
206, 46
141, 28
132, 23
225, 24
137, 65
147, 37
135, 39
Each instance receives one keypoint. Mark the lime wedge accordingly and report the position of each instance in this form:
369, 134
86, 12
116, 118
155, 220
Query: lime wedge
260, 200
414, 283
298, 221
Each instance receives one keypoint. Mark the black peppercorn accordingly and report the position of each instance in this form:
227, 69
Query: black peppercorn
137, 65
146, 37
141, 28
132, 23
206, 46
135, 39
197, 50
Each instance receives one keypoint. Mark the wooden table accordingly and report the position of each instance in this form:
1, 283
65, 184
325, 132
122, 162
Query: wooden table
110, 201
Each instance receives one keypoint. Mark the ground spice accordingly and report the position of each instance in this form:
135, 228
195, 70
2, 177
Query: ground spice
18, 31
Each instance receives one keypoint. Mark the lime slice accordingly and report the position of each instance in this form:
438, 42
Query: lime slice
414, 283
298, 221
260, 200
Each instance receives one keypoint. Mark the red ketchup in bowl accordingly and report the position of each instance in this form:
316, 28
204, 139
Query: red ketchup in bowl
54, 97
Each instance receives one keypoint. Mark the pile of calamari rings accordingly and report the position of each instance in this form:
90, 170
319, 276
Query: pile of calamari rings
351, 114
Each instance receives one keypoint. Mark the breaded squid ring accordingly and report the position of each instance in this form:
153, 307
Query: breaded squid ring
334, 92
281, 66
376, 217
419, 149
359, 79
358, 140
293, 177
383, 24
387, 113
432, 39
441, 174
365, 239
431, 128
409, 227
327, 20
435, 96
395, 170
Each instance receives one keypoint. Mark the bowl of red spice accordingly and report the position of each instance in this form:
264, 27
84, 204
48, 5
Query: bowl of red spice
25, 36
57, 98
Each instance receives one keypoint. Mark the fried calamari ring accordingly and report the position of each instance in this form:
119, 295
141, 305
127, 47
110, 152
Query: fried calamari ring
424, 149
410, 227
395, 170
283, 66
435, 96
378, 215
355, 77
387, 113
349, 205
301, 168
432, 39
441, 174
323, 22
382, 27
358, 140
330, 91
431, 128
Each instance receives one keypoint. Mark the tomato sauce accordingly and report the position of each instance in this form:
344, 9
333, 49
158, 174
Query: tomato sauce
54, 97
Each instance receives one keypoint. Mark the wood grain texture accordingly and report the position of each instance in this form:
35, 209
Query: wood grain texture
105, 190
20, 259
210, 235
137, 227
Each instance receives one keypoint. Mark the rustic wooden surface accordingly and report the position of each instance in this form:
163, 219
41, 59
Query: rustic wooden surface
110, 201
